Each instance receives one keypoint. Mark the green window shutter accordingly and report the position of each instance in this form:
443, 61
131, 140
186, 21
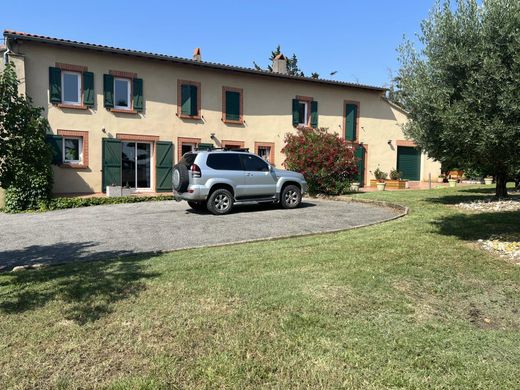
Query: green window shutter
138, 94
314, 114
295, 112
194, 102
56, 144
111, 156
202, 146
186, 99
54, 85
232, 106
350, 122
88, 89
164, 166
108, 90
360, 155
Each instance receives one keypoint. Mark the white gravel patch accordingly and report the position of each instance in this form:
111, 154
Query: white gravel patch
490, 205
507, 249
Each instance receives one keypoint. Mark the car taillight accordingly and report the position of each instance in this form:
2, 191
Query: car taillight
195, 170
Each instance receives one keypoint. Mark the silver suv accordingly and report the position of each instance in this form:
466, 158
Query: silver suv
219, 178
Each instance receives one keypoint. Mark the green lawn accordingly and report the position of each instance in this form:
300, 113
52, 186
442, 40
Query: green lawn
409, 303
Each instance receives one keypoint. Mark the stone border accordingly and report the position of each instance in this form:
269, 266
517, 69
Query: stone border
403, 211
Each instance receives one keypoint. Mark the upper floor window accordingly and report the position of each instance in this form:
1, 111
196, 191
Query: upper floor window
232, 102
71, 88
122, 93
351, 120
304, 112
188, 99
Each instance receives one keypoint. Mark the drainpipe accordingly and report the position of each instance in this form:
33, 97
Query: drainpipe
7, 51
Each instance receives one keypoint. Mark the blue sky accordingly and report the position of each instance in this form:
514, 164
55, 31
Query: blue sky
358, 39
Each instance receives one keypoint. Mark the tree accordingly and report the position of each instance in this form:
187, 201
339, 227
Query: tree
25, 158
326, 161
292, 63
462, 87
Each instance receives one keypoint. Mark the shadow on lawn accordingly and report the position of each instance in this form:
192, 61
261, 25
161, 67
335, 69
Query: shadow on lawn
88, 290
472, 227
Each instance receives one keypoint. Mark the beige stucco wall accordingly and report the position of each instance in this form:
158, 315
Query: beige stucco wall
267, 109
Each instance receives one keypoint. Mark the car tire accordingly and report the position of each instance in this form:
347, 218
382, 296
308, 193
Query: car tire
220, 202
199, 206
181, 178
291, 197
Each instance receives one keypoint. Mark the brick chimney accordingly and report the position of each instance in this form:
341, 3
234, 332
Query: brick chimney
280, 64
196, 55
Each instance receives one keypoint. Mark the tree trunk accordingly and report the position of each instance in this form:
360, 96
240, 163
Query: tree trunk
501, 181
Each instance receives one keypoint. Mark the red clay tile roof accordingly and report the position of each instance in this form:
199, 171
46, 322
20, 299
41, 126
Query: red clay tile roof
9, 34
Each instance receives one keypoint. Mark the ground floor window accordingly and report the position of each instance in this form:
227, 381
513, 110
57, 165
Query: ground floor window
136, 159
73, 150
187, 148
265, 150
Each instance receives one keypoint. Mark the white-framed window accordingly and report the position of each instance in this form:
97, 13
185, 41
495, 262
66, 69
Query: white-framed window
71, 88
73, 150
265, 152
303, 110
122, 93
187, 147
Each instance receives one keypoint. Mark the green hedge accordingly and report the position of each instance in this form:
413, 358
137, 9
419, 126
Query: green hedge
72, 203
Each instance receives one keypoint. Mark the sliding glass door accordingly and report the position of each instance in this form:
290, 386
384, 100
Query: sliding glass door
136, 160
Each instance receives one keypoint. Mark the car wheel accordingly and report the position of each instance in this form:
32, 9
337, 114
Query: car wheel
181, 178
291, 197
199, 206
220, 202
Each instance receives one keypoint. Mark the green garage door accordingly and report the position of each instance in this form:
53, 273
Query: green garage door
409, 162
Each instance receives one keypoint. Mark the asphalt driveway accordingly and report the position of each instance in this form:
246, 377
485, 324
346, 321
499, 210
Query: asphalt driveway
102, 232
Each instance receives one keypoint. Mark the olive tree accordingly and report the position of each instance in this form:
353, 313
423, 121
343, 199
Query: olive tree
461, 86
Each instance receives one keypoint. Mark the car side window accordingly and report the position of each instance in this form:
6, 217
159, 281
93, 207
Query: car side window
253, 163
224, 162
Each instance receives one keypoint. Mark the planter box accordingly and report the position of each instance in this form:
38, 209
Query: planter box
127, 191
114, 191
395, 184
399, 184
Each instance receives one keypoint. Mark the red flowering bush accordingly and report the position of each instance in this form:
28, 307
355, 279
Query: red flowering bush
326, 160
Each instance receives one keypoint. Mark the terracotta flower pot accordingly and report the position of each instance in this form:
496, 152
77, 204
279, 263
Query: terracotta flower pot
381, 186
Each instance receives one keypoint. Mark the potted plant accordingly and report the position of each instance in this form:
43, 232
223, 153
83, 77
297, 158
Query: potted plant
380, 178
354, 186
488, 180
440, 179
452, 182
395, 180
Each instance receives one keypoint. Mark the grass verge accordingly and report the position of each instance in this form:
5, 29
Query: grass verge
409, 303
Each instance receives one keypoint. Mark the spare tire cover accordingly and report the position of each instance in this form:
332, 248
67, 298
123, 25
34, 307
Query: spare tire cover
181, 178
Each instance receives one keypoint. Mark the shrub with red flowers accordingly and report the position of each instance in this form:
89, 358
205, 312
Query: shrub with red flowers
326, 160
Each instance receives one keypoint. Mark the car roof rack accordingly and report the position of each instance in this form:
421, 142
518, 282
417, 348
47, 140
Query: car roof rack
225, 149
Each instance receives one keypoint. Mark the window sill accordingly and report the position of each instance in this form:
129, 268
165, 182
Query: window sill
73, 166
184, 116
73, 106
123, 111
232, 122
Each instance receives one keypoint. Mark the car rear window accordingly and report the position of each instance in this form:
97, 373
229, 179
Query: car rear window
224, 161
188, 159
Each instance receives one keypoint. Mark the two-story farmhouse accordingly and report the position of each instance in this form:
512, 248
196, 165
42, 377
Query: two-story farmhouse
124, 117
